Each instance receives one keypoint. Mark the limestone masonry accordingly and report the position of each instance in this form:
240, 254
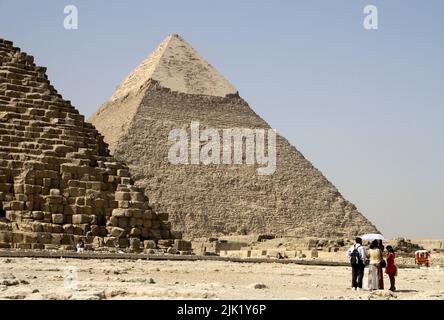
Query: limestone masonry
175, 86
58, 182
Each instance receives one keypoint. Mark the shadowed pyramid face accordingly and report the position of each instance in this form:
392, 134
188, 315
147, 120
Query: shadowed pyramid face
173, 88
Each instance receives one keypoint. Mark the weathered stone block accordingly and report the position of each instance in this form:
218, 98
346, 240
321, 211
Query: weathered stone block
147, 224
78, 230
111, 242
47, 217
165, 225
123, 173
147, 215
17, 237
123, 242
99, 203
92, 219
171, 250
38, 246
57, 228
123, 222
54, 192
5, 236
145, 233
24, 246
67, 239
44, 237
117, 232
124, 204
114, 221
149, 244
25, 226
96, 185
87, 210
135, 244
37, 227
163, 216
132, 222
314, 253
85, 227
29, 237
21, 197
95, 230
98, 242
122, 196
182, 245
57, 238
80, 218
164, 234
125, 180
137, 196
5, 226
17, 205
37, 215
128, 213
54, 200
155, 234
68, 228
57, 218
176, 234
47, 182
135, 232
68, 219
118, 213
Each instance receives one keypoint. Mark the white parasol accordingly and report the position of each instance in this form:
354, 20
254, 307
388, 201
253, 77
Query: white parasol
372, 236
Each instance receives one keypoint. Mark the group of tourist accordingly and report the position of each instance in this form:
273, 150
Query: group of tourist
377, 265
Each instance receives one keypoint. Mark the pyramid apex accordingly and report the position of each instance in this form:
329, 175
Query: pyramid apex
178, 67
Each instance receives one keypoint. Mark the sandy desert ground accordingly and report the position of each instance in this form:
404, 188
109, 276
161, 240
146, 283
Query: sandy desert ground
36, 278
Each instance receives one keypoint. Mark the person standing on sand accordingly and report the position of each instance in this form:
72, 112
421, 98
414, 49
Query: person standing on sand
391, 268
381, 266
356, 256
374, 254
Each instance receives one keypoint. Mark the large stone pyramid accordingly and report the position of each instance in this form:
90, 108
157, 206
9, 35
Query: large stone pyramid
173, 87
58, 182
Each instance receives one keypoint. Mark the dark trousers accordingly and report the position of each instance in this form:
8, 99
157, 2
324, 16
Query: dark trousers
357, 275
392, 282
380, 278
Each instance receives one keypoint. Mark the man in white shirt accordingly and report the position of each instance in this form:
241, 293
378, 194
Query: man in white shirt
357, 257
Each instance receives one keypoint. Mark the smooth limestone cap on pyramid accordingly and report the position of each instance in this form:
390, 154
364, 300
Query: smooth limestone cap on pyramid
58, 181
175, 86
176, 66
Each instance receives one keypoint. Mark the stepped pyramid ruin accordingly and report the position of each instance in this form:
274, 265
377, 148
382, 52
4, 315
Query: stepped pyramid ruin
58, 182
173, 87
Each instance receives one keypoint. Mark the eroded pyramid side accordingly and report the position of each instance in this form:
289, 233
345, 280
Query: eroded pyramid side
58, 181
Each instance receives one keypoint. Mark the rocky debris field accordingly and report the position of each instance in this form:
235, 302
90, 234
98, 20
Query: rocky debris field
94, 279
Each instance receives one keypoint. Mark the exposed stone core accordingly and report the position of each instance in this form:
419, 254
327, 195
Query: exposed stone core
58, 181
204, 200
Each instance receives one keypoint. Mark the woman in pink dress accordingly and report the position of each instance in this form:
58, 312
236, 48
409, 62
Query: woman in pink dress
390, 268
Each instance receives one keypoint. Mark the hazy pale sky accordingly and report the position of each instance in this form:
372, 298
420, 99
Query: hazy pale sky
365, 107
